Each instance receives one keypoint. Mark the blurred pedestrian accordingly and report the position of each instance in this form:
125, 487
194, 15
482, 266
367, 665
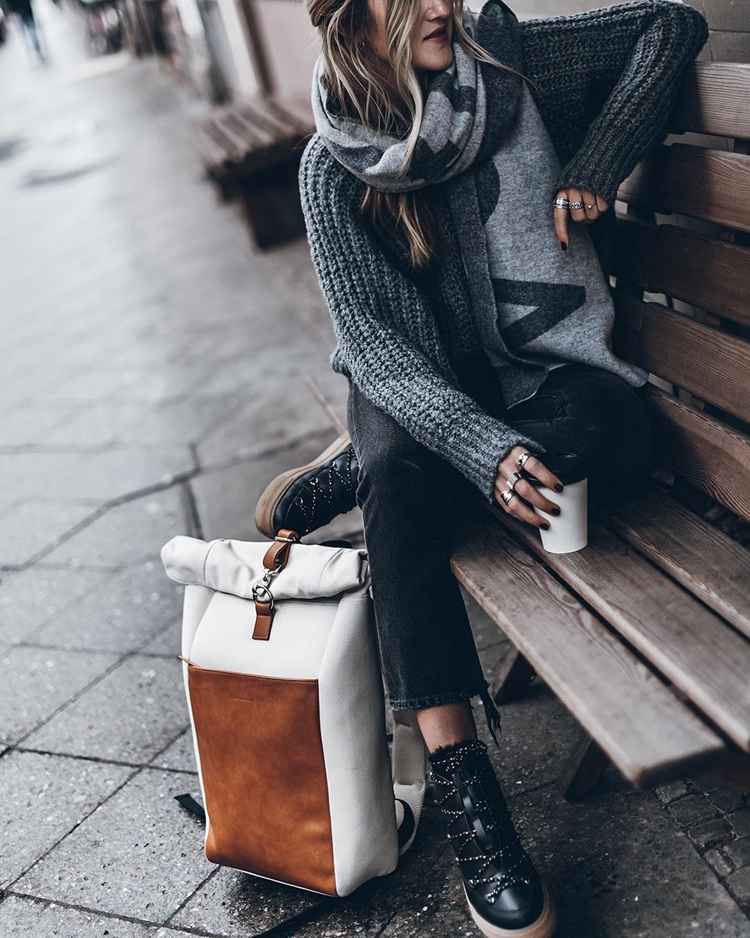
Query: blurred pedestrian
25, 12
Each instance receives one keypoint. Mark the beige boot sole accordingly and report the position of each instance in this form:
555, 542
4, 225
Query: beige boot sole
543, 927
274, 492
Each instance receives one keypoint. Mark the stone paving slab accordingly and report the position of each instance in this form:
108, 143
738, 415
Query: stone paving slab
26, 424
186, 421
139, 855
131, 533
169, 641
237, 905
44, 798
30, 598
221, 495
56, 677
128, 716
102, 475
180, 756
124, 614
32, 918
617, 865
31, 526
267, 421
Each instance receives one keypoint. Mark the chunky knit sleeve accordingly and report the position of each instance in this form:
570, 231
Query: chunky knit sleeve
609, 79
374, 309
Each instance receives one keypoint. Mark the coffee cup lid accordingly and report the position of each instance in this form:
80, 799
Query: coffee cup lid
568, 467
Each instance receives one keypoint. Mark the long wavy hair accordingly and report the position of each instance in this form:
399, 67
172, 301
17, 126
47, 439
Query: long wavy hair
389, 100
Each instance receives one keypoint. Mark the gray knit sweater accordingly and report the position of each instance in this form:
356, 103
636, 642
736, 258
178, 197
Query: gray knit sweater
608, 80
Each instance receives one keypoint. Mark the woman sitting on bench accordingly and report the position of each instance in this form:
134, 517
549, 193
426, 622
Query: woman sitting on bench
453, 151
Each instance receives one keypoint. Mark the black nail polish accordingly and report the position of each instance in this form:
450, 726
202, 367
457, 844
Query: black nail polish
555, 511
564, 246
558, 487
546, 525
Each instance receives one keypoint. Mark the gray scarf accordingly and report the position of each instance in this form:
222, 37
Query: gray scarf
482, 135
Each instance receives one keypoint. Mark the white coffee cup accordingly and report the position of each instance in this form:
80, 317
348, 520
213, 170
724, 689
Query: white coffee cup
568, 531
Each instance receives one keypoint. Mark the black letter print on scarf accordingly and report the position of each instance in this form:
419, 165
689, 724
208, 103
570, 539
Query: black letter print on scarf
553, 302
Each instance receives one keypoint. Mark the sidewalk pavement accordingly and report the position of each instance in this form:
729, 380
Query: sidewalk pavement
154, 381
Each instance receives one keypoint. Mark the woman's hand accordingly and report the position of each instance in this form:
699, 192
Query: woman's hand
516, 507
593, 207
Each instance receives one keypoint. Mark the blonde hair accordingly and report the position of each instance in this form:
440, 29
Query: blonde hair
388, 100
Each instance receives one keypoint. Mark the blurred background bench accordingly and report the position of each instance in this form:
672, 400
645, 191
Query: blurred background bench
251, 149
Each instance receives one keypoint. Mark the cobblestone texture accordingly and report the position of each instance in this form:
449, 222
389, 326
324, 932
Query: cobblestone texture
155, 378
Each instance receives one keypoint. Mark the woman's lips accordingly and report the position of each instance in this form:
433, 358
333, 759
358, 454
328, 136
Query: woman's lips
439, 37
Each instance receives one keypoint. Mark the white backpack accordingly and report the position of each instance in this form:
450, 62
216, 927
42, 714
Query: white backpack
287, 709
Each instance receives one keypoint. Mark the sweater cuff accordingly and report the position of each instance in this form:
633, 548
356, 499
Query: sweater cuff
494, 453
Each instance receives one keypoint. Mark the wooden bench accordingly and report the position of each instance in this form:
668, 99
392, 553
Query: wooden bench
252, 150
645, 634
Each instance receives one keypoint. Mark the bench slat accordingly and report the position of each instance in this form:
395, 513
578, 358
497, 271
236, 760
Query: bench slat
234, 144
715, 568
710, 184
297, 113
713, 365
253, 136
700, 448
272, 121
646, 731
713, 100
690, 266
694, 648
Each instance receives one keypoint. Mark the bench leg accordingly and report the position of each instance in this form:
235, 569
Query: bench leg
271, 206
584, 768
513, 677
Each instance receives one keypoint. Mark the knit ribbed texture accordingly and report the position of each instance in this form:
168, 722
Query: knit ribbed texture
619, 68
387, 336
615, 71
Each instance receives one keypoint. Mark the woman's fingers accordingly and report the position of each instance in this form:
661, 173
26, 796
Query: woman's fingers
526, 492
576, 198
592, 207
560, 218
519, 509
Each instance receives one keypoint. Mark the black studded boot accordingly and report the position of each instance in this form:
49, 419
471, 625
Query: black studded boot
308, 497
506, 896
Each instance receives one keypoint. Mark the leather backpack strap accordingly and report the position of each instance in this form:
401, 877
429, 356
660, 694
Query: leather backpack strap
409, 770
274, 560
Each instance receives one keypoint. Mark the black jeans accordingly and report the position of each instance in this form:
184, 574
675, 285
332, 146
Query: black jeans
410, 497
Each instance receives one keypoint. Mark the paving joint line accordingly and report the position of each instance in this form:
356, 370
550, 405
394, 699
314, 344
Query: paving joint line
133, 920
181, 906
116, 664
67, 833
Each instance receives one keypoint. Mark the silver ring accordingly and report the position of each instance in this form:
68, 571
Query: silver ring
507, 495
575, 205
560, 202
513, 479
590, 205
522, 459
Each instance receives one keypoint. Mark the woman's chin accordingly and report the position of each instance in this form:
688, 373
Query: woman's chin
435, 60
